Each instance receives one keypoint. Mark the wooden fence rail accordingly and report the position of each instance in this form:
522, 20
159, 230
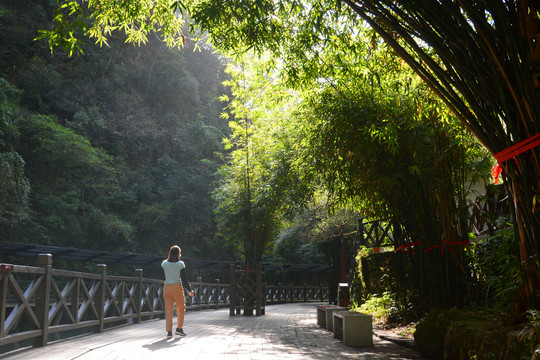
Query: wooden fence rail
36, 302
279, 294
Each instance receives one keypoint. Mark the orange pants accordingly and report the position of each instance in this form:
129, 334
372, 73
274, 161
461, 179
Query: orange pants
174, 294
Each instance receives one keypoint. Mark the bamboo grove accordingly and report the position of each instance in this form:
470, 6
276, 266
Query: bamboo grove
482, 60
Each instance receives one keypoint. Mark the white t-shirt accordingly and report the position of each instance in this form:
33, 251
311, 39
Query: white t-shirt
172, 271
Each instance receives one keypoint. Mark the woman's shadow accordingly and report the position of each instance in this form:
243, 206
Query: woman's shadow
162, 344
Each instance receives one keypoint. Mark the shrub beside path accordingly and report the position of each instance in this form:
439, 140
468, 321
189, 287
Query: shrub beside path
286, 332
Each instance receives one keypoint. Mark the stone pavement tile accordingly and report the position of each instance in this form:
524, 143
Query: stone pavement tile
286, 332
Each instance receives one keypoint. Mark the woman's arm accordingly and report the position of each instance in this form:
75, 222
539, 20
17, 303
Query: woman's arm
185, 282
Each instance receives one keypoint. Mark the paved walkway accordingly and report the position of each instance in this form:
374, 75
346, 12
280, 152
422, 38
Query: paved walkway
286, 332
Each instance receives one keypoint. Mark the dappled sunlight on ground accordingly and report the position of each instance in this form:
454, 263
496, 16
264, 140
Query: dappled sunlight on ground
287, 331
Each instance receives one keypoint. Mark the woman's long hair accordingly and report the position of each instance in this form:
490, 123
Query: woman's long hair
174, 254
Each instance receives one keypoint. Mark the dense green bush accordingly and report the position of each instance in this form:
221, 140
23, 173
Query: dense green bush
431, 331
475, 333
496, 262
380, 306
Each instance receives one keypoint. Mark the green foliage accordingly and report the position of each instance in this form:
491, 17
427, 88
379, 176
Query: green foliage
71, 180
385, 148
119, 145
14, 186
58, 145
474, 333
462, 37
380, 144
291, 248
497, 266
14, 189
431, 331
534, 317
259, 187
380, 306
108, 231
88, 122
9, 97
392, 149
135, 18
371, 136
479, 58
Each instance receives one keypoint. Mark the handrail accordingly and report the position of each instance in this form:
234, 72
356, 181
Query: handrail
36, 302
279, 294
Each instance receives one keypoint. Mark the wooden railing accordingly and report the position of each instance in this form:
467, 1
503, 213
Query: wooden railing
487, 210
279, 294
208, 295
249, 293
36, 302
375, 233
247, 290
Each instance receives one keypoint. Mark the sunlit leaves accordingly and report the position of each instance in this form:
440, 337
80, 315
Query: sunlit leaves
259, 186
98, 19
69, 24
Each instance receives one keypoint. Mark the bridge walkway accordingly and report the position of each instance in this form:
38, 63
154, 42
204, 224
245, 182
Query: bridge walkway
286, 332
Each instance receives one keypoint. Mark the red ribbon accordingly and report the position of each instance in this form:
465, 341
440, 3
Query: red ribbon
446, 243
435, 246
412, 244
512, 152
496, 172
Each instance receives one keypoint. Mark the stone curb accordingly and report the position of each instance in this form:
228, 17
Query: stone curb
396, 339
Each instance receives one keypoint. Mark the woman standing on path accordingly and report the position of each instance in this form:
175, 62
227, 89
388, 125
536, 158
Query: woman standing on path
173, 291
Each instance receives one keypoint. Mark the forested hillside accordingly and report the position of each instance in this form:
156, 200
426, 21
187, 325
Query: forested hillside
114, 149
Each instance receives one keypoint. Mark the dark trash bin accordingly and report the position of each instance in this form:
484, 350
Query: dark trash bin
343, 295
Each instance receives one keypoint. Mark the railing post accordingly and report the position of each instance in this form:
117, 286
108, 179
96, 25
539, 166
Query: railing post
120, 287
138, 295
321, 292
43, 299
3, 296
199, 292
217, 294
291, 295
363, 239
258, 291
159, 297
232, 290
100, 297
305, 293
376, 224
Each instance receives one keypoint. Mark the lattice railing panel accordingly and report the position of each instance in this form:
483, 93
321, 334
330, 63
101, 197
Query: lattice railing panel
18, 298
38, 301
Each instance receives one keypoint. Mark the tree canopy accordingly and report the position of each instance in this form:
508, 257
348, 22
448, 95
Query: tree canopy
115, 150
